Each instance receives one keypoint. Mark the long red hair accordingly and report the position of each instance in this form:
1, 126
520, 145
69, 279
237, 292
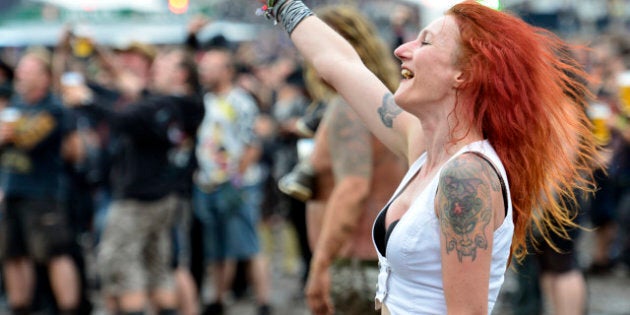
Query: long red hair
521, 89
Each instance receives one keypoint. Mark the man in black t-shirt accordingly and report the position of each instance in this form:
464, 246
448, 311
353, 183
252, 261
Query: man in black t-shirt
149, 173
34, 140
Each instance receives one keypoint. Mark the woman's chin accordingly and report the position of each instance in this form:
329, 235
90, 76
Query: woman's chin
399, 96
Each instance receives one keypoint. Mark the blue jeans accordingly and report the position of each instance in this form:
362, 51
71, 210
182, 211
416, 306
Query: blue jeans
229, 216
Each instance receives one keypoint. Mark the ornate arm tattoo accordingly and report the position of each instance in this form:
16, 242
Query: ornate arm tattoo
389, 110
464, 203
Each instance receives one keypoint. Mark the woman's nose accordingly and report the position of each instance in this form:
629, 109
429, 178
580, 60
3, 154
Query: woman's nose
402, 51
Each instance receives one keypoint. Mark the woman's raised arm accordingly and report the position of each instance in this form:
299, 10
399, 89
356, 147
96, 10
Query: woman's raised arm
339, 65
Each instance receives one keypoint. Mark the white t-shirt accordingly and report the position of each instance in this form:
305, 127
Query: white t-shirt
225, 132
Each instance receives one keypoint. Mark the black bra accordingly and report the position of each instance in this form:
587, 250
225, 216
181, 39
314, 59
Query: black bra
381, 235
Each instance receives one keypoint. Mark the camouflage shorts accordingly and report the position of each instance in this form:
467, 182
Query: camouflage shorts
353, 286
135, 253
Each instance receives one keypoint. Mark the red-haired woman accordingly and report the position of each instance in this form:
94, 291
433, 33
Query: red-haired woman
493, 129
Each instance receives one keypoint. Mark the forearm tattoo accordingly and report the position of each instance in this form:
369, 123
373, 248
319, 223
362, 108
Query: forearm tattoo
389, 110
465, 205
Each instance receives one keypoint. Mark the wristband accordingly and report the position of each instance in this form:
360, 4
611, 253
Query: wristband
292, 14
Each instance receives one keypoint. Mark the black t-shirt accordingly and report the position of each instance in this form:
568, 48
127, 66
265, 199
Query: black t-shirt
145, 139
183, 137
32, 166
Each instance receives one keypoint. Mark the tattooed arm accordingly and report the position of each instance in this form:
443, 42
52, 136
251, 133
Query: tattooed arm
339, 65
469, 205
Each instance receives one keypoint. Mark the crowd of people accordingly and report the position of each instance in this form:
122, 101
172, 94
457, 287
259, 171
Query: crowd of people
169, 158
129, 147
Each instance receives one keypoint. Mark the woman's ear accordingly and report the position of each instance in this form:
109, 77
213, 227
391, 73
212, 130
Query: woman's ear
459, 79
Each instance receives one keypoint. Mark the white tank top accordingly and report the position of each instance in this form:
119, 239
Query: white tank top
410, 277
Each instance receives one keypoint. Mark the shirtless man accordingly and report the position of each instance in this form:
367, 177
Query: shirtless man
356, 175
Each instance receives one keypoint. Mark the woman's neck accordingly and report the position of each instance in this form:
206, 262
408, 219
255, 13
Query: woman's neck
443, 143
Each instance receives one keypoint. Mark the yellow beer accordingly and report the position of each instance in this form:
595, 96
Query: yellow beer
599, 113
624, 92
10, 116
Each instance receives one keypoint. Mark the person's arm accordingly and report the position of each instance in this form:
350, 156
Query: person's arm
60, 58
72, 148
350, 146
195, 25
248, 114
7, 132
470, 206
250, 156
136, 120
339, 65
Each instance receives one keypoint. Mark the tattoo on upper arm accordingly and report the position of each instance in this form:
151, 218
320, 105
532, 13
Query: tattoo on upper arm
349, 142
464, 204
389, 110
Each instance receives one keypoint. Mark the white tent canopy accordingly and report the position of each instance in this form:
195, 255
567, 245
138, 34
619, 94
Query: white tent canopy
120, 33
105, 5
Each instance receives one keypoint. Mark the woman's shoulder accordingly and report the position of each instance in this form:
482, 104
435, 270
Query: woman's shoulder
469, 170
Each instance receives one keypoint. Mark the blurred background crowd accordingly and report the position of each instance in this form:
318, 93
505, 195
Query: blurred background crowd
181, 109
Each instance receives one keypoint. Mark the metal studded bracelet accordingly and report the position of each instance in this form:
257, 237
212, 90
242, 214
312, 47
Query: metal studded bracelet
292, 13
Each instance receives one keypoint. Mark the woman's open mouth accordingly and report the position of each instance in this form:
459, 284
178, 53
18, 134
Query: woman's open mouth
406, 73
